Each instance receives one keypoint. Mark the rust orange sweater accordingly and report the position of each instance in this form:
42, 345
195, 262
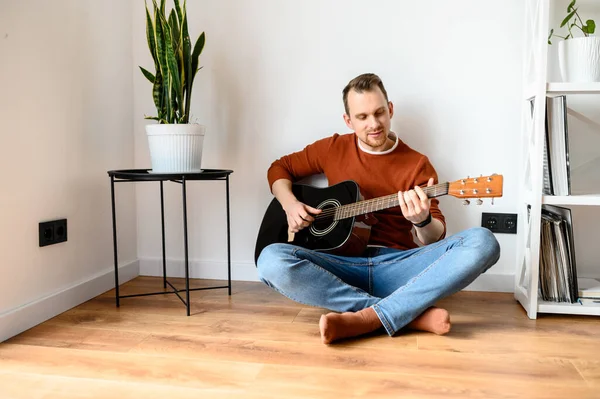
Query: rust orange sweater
341, 158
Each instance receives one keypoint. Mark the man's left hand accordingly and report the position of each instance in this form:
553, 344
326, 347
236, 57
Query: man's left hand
415, 204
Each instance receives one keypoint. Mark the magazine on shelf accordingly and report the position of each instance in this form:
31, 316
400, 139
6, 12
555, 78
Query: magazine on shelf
547, 186
589, 288
558, 268
557, 170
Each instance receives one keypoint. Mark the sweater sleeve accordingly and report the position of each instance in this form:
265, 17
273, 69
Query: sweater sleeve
423, 172
304, 163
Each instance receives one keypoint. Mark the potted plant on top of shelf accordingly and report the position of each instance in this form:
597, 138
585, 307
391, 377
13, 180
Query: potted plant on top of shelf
175, 144
578, 57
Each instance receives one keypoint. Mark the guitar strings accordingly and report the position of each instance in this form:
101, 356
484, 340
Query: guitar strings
392, 200
366, 206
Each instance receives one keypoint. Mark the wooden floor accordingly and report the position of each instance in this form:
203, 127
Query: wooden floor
258, 344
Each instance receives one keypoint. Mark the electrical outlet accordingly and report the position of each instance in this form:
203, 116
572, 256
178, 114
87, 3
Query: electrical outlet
500, 222
46, 233
52, 232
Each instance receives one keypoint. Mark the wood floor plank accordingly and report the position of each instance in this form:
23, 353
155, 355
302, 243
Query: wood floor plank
196, 325
334, 383
130, 367
466, 320
60, 335
590, 370
39, 386
346, 356
263, 296
215, 310
524, 343
212, 327
310, 315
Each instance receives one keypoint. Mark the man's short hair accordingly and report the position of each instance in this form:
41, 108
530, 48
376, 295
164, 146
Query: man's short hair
364, 82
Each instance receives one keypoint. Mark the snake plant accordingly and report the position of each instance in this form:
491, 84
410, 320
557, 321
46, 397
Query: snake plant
175, 63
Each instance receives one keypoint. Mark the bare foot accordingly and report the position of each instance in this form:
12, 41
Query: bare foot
435, 320
336, 326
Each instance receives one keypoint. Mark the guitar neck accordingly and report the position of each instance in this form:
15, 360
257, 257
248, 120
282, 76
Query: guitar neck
385, 202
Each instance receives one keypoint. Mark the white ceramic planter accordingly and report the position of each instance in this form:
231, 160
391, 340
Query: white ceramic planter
175, 148
579, 59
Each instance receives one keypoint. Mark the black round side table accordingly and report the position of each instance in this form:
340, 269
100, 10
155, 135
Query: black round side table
146, 175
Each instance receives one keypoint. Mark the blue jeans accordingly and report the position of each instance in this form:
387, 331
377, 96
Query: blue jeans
398, 285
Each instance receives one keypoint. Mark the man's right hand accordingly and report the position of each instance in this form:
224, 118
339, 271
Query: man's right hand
299, 215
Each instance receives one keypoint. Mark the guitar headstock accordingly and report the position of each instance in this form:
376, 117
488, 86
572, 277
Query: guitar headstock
477, 187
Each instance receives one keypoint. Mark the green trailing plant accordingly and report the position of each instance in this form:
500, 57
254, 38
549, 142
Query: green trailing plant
175, 62
573, 21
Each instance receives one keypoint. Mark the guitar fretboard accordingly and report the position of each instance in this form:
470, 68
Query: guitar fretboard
378, 204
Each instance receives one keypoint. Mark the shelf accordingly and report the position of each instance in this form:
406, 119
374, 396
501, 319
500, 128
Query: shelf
558, 88
568, 308
536, 87
587, 199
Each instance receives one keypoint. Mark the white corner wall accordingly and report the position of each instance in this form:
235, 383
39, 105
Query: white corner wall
271, 83
66, 112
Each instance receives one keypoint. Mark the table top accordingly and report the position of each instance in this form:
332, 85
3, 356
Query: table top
148, 175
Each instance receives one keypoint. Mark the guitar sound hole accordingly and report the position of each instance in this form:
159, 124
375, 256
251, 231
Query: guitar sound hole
324, 219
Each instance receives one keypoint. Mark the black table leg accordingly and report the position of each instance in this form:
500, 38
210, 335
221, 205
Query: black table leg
228, 239
162, 222
114, 222
185, 240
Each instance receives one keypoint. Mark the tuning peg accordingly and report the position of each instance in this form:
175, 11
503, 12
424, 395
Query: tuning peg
479, 201
466, 202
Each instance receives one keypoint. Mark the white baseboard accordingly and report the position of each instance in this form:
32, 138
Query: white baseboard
240, 271
24, 317
246, 271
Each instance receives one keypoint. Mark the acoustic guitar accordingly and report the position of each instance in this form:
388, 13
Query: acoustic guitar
344, 225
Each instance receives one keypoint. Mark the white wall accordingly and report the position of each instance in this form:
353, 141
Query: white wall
272, 81
66, 112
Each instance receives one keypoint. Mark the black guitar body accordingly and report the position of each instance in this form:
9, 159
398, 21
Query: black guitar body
344, 236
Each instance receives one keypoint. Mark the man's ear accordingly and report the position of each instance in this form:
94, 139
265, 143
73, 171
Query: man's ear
348, 121
391, 108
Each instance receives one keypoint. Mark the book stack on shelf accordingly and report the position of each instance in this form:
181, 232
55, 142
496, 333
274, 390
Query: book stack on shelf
558, 280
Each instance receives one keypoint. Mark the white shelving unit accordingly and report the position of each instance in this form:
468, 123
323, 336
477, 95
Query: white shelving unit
533, 129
